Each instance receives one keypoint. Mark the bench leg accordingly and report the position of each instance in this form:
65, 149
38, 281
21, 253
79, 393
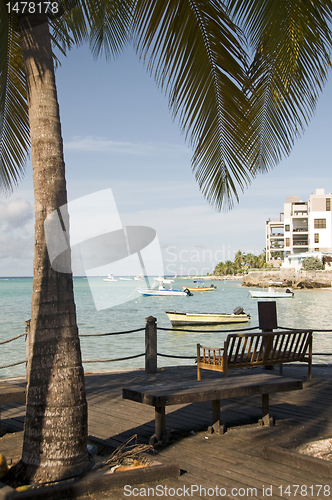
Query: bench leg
160, 426
216, 426
266, 419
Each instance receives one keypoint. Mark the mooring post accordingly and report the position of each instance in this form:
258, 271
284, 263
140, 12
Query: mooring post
150, 345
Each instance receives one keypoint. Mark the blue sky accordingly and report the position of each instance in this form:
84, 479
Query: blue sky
118, 133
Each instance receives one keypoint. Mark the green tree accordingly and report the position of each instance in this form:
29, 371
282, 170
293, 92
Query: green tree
262, 259
240, 118
239, 259
228, 267
312, 264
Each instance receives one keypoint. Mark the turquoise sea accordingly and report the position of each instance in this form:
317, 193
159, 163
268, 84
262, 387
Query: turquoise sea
308, 309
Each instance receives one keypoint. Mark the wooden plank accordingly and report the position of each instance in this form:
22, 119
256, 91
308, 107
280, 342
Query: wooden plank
10, 393
208, 391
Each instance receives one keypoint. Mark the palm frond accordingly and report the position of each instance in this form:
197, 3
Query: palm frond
196, 56
109, 25
14, 120
103, 23
291, 40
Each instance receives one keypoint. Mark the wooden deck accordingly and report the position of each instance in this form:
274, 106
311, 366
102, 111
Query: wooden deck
232, 461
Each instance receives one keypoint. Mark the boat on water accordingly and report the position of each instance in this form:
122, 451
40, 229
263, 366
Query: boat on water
271, 293
126, 279
188, 318
110, 277
158, 288
200, 288
139, 277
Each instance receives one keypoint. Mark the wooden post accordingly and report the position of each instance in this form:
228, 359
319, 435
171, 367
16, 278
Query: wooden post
198, 362
267, 317
150, 345
27, 341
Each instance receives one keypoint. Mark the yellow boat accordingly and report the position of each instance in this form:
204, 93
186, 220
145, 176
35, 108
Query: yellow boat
188, 318
200, 288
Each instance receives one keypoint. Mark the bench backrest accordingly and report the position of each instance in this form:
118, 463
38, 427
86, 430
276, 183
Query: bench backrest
247, 349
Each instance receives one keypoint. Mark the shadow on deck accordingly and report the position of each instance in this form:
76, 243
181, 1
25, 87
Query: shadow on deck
232, 461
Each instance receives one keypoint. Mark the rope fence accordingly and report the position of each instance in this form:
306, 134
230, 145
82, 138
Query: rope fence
151, 352
105, 334
111, 360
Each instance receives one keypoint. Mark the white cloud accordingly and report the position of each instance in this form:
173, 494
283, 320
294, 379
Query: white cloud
16, 230
15, 247
15, 214
101, 145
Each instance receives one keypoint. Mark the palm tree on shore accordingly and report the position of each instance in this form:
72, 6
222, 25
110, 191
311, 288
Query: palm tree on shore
55, 432
239, 119
239, 259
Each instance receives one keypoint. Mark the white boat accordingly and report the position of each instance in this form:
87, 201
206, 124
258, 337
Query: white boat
158, 288
139, 277
110, 277
187, 318
270, 293
125, 279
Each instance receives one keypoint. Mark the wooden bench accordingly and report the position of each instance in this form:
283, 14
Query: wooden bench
249, 350
161, 396
11, 393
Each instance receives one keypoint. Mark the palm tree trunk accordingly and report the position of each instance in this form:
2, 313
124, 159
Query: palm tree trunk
55, 433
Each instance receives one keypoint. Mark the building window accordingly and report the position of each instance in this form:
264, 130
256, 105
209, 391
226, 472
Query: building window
287, 227
316, 249
316, 237
328, 204
287, 242
320, 223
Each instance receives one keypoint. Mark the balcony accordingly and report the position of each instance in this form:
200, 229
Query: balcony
300, 243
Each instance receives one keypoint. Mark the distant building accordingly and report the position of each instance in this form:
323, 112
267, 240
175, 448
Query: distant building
302, 227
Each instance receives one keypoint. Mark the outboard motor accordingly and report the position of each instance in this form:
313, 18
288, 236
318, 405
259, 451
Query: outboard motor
238, 310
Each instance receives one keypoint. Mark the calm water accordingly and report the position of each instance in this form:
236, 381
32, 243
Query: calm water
308, 309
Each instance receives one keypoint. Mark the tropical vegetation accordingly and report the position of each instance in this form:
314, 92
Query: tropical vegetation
242, 263
242, 79
312, 264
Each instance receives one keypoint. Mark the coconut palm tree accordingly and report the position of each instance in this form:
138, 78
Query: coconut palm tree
55, 434
239, 119
239, 259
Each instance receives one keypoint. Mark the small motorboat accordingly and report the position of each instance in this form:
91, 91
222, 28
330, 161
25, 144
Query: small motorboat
270, 293
110, 277
200, 288
159, 289
188, 318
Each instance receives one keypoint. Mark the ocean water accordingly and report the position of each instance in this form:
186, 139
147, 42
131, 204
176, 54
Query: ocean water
308, 309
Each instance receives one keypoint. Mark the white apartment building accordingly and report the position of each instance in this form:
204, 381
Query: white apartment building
302, 227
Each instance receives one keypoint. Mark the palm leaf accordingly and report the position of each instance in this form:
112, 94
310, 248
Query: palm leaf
14, 121
291, 40
196, 55
103, 23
